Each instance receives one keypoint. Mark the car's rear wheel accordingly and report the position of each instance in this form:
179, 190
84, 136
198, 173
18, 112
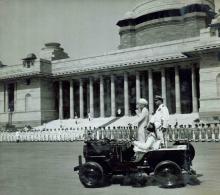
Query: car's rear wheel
168, 174
91, 175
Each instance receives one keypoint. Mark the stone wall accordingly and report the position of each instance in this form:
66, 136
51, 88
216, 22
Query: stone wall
27, 111
48, 111
209, 97
22, 90
35, 111
127, 39
20, 119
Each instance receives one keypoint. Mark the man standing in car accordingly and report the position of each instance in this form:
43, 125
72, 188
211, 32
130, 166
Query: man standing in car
142, 119
160, 119
159, 122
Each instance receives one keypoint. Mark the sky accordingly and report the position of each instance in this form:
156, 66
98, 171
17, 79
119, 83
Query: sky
83, 27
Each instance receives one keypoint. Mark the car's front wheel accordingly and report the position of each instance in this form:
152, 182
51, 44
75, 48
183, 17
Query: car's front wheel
91, 175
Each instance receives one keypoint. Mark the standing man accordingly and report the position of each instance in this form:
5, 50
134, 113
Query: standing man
119, 112
89, 116
170, 133
216, 132
142, 120
17, 134
160, 119
203, 133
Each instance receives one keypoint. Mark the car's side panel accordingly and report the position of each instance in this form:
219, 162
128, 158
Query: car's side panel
157, 156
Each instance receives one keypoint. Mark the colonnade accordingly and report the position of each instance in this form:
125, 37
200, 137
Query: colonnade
126, 93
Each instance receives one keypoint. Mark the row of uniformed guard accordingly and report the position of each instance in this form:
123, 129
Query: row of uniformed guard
197, 133
42, 136
200, 132
65, 135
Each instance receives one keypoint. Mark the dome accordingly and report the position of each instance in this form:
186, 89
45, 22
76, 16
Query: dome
53, 51
129, 15
150, 6
151, 17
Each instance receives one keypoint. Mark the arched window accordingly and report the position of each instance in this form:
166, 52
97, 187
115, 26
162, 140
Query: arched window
218, 85
27, 102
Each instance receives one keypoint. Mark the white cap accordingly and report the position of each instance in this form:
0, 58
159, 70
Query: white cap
142, 101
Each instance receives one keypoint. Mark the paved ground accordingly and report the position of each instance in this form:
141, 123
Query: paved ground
47, 168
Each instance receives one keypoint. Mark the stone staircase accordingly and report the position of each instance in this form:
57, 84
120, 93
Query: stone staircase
109, 122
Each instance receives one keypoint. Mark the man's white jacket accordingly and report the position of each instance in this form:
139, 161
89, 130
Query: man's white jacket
161, 117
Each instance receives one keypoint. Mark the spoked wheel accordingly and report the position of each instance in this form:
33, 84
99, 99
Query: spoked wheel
168, 174
91, 175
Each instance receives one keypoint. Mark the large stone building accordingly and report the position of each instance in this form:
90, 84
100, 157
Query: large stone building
167, 47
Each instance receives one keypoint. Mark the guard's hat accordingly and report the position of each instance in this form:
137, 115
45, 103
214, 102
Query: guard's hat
142, 101
157, 97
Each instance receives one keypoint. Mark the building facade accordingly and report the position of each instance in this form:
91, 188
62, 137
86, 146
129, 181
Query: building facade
167, 47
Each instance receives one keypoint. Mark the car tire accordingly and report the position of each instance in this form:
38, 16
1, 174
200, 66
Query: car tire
91, 175
168, 174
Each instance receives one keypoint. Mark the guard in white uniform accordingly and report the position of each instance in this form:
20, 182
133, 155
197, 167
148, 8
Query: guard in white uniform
17, 135
1, 135
160, 119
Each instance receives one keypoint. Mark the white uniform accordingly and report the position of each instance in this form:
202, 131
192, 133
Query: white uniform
151, 143
142, 122
160, 120
17, 135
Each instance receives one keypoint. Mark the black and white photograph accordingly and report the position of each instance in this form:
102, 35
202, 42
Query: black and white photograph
109, 97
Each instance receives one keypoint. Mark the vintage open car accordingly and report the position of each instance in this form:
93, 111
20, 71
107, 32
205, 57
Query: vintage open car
107, 161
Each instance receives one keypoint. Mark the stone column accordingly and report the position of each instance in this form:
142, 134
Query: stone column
177, 90
15, 96
102, 111
71, 99
126, 100
150, 92
194, 90
6, 97
112, 95
138, 93
144, 87
60, 100
91, 97
163, 85
81, 103
2, 98
87, 98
